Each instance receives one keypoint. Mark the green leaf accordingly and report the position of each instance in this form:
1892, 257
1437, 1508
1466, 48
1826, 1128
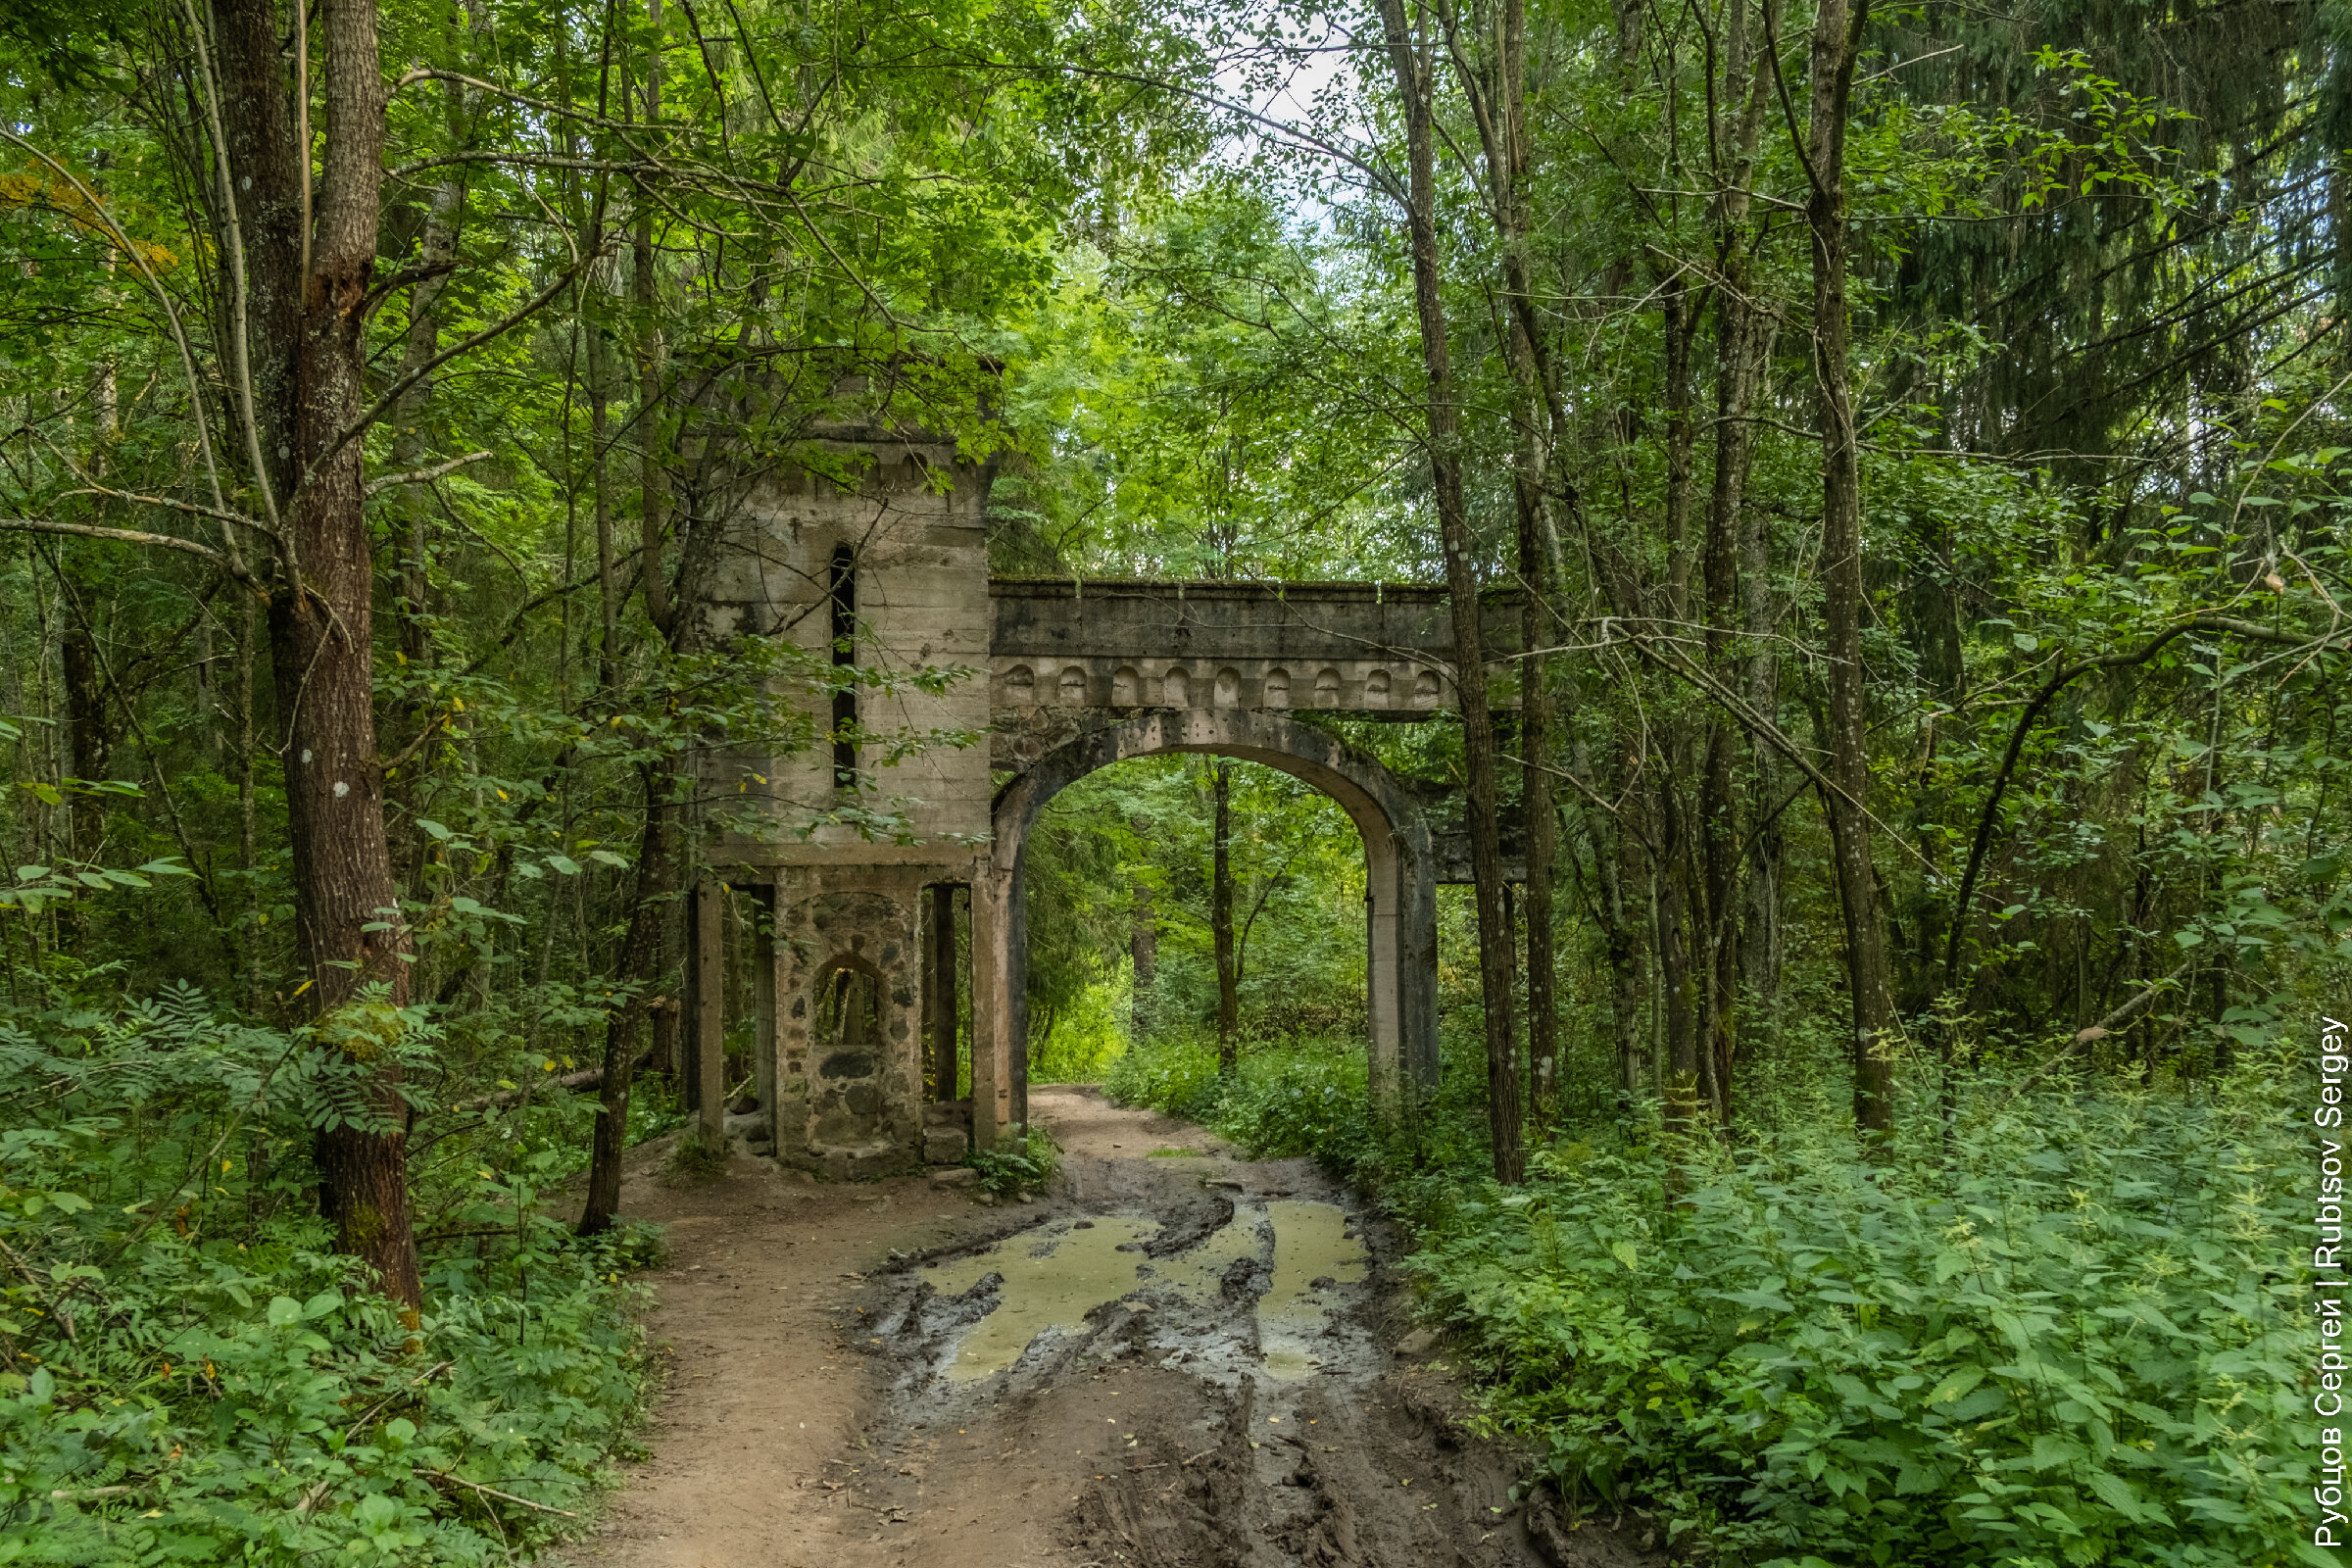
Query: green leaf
2114, 1492
435, 829
564, 863
284, 1309
1955, 1383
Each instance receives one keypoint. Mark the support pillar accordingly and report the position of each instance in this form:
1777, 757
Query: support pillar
941, 996
706, 1027
993, 977
764, 986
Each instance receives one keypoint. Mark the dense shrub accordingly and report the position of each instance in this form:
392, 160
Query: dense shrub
191, 1375
2070, 1339
1292, 1097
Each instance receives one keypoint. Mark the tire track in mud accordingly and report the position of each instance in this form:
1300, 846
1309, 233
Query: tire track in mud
1182, 1362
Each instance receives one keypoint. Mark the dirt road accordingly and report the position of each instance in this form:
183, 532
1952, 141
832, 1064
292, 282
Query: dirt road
1178, 1359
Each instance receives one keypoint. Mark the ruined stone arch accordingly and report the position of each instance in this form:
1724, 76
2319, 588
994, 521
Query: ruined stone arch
1402, 933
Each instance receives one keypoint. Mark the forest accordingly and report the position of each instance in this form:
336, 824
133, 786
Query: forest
1907, 878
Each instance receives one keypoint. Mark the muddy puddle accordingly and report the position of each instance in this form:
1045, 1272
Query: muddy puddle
1293, 1256
1178, 1363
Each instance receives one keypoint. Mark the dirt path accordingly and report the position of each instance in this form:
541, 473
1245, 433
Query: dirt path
1181, 1360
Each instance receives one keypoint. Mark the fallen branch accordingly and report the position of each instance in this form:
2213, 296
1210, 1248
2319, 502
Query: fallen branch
436, 1477
2124, 1015
585, 1078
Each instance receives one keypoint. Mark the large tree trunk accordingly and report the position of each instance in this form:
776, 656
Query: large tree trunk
306, 353
1837, 41
1742, 336
1500, 95
1409, 57
1220, 920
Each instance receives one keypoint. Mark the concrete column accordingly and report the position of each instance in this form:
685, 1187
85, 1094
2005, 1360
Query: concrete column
941, 996
764, 1057
1417, 964
708, 1028
993, 971
1382, 971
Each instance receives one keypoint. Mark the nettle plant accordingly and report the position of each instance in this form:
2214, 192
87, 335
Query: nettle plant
188, 1373
2074, 1343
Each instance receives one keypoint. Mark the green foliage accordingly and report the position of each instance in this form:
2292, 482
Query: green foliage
1298, 1095
2075, 1341
1087, 1036
190, 1375
1019, 1163
1173, 1073
697, 1160
2078, 1343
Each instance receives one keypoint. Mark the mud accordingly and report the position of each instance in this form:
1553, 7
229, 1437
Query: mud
1175, 1362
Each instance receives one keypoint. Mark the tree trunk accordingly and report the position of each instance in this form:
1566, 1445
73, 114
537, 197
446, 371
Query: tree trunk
1500, 96
1742, 335
1837, 41
1220, 921
1142, 946
1541, 833
640, 962
653, 509
1409, 57
1671, 903
307, 357
89, 737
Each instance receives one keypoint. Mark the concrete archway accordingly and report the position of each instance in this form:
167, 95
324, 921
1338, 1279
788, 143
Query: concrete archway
1401, 937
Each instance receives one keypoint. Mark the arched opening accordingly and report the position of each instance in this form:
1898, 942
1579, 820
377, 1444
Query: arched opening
1181, 904
1401, 904
848, 1016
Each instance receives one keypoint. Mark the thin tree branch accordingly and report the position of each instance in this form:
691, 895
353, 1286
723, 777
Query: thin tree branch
425, 475
129, 536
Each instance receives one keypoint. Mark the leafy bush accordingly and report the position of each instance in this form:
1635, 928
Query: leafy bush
2077, 1344
1303, 1097
2074, 1340
191, 1375
1174, 1074
1017, 1164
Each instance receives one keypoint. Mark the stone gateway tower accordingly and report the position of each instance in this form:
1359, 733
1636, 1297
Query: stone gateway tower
856, 947
875, 955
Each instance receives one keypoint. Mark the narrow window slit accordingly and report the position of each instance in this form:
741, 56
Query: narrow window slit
844, 592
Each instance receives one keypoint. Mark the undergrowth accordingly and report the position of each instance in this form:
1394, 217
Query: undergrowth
1019, 1163
2074, 1338
191, 1373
